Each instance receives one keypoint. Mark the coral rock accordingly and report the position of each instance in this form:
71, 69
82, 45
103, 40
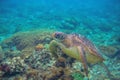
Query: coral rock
39, 47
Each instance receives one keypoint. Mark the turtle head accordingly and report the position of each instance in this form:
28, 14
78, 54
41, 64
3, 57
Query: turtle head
59, 35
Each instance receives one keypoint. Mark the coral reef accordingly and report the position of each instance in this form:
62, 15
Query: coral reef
33, 60
39, 59
13, 66
21, 50
26, 41
61, 70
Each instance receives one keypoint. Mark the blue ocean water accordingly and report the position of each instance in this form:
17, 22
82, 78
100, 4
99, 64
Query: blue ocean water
94, 15
98, 20
32, 14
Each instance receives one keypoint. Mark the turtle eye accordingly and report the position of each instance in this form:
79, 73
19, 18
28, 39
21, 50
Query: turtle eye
59, 35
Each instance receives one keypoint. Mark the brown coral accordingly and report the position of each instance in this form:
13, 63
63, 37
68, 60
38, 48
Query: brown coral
61, 59
39, 47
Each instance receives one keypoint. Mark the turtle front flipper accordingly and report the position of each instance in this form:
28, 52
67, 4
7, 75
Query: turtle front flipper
83, 59
53, 48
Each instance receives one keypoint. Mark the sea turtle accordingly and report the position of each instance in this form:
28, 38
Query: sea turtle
77, 47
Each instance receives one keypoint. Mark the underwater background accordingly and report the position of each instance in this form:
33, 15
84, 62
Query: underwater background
26, 27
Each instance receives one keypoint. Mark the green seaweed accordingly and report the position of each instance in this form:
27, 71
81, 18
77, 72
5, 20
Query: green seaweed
77, 76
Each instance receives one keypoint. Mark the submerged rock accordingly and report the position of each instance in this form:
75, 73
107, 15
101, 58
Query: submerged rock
110, 51
25, 42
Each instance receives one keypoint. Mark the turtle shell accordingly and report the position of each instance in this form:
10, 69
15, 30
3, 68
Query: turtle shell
91, 52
